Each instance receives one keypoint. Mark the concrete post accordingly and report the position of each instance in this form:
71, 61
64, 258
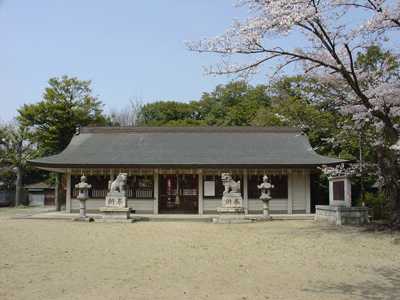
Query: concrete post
201, 204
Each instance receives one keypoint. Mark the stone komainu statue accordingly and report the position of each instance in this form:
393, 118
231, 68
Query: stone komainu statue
119, 184
230, 185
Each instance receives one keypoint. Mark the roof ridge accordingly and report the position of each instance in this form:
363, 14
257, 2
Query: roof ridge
159, 129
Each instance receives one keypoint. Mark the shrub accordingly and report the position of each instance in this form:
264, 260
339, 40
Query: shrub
377, 204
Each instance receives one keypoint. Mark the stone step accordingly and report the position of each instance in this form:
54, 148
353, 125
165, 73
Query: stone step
160, 217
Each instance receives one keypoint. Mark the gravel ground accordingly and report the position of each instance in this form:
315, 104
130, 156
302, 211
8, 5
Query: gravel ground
184, 260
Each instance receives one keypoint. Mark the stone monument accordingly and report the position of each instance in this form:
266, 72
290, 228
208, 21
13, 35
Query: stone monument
339, 190
340, 210
83, 194
231, 209
116, 206
265, 197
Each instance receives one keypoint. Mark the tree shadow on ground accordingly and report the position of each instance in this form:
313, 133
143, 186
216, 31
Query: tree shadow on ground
387, 286
347, 230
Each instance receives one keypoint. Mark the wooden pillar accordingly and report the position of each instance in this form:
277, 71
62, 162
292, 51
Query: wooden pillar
112, 176
201, 193
308, 193
57, 194
245, 192
68, 193
155, 192
290, 193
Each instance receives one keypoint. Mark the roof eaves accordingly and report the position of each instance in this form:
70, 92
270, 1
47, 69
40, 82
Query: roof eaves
198, 129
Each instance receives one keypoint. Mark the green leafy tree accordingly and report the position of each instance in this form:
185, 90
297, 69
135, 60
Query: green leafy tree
299, 102
170, 113
67, 102
233, 104
16, 149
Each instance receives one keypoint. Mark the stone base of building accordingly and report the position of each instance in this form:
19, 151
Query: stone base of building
84, 219
115, 220
341, 215
113, 214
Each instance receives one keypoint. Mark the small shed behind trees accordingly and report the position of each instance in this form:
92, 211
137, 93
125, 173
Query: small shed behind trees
40, 194
7, 198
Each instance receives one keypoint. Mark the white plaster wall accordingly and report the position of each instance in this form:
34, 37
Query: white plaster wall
211, 204
300, 191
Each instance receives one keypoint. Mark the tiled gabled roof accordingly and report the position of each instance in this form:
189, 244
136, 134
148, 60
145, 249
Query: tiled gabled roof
187, 146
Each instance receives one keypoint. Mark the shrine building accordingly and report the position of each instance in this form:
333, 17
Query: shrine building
178, 169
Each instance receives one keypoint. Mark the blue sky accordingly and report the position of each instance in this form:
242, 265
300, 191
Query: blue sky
129, 49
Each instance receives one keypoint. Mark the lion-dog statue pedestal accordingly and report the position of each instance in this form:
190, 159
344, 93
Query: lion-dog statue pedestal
116, 209
231, 210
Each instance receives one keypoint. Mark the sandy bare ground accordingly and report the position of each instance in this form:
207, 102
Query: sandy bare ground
183, 260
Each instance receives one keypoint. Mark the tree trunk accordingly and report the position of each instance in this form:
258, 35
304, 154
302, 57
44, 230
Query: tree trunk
389, 169
392, 193
18, 187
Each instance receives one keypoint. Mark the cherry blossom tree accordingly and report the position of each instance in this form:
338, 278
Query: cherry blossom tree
334, 34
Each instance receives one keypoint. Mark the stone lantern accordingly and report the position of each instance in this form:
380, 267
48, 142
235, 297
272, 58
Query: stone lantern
265, 197
83, 194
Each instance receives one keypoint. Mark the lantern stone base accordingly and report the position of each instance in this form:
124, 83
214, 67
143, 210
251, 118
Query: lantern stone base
265, 217
341, 215
115, 214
